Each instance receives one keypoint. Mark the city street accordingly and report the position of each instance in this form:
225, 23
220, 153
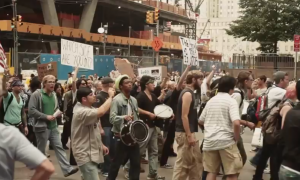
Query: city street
22, 173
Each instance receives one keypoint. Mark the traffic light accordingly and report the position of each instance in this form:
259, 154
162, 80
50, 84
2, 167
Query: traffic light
19, 18
12, 22
149, 17
156, 15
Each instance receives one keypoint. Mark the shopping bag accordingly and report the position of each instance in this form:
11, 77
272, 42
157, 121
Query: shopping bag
257, 139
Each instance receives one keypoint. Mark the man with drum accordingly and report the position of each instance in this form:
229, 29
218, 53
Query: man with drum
189, 160
147, 102
124, 109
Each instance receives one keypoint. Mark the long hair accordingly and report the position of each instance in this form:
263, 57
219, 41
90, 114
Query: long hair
242, 77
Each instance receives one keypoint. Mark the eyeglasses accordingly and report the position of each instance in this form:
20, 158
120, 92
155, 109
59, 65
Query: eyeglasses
83, 84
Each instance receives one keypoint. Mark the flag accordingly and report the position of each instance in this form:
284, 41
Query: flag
2, 57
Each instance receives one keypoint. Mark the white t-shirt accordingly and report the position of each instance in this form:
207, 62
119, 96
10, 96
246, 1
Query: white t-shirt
260, 91
218, 115
275, 94
15, 147
237, 96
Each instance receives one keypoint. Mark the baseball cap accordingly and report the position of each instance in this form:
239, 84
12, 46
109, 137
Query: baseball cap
107, 80
279, 75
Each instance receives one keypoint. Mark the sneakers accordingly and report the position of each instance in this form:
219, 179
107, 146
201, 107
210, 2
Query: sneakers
167, 166
73, 171
105, 174
157, 177
267, 171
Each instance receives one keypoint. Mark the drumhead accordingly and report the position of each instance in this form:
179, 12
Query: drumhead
139, 131
163, 111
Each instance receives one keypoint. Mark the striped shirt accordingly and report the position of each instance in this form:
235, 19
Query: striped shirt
218, 115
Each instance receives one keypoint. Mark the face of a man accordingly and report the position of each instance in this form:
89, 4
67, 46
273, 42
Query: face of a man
91, 98
126, 86
90, 83
49, 85
17, 89
286, 81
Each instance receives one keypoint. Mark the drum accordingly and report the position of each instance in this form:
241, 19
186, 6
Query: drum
134, 132
163, 111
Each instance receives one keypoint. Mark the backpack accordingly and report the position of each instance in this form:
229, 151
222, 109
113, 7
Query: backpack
272, 125
251, 111
262, 110
3, 111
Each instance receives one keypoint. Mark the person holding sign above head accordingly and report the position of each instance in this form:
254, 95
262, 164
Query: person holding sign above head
43, 107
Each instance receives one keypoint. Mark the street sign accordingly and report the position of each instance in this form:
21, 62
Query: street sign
296, 43
156, 44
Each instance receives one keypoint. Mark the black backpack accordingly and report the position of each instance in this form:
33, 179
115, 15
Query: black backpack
70, 106
3, 111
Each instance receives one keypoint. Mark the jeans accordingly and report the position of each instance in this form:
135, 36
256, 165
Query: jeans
268, 151
151, 144
255, 159
168, 143
107, 140
288, 174
53, 136
89, 171
123, 152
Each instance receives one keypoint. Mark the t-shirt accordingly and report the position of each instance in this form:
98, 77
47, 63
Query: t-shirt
275, 94
218, 115
260, 91
204, 89
15, 147
13, 113
238, 97
146, 104
100, 100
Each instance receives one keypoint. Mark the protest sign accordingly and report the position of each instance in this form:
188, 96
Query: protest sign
77, 54
189, 51
47, 69
114, 74
124, 67
158, 72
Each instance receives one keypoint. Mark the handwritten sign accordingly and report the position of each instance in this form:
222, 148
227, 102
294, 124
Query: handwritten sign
158, 72
124, 67
189, 51
47, 69
77, 54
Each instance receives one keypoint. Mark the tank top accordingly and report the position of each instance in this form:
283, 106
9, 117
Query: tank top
192, 115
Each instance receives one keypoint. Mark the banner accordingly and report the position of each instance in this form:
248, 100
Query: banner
77, 54
189, 51
124, 67
47, 69
158, 72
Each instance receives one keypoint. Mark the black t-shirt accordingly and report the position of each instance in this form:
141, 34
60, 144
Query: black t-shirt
146, 104
290, 135
173, 100
100, 99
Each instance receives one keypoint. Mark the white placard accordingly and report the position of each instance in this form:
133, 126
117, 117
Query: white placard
77, 54
189, 51
155, 72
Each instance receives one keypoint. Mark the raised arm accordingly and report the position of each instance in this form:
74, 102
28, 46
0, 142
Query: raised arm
182, 78
74, 88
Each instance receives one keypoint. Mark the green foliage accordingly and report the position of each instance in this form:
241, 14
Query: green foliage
267, 22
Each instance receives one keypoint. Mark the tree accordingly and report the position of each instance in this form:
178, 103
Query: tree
267, 22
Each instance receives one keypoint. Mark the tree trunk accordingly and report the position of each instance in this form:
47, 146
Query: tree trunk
275, 47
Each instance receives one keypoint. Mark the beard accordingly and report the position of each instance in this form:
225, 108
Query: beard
197, 86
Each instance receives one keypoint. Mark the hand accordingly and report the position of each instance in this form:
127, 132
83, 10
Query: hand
105, 150
102, 132
128, 118
111, 92
26, 130
250, 125
152, 116
163, 92
50, 118
213, 67
191, 140
172, 117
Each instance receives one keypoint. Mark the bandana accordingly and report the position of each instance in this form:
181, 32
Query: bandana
16, 83
151, 81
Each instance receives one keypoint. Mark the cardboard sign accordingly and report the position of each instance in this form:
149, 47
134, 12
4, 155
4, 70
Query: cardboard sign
124, 67
114, 74
47, 69
77, 54
158, 72
189, 51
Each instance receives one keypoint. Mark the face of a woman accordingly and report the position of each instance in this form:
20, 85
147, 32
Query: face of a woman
58, 90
